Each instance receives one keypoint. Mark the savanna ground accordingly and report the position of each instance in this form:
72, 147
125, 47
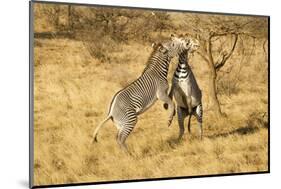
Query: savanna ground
73, 88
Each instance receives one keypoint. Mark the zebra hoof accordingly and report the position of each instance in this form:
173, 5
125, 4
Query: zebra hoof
179, 138
169, 123
165, 106
95, 140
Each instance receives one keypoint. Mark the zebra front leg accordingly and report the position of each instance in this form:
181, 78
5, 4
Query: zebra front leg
181, 116
165, 105
171, 107
199, 116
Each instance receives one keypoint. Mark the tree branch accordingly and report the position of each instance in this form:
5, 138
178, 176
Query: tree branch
226, 56
209, 49
203, 56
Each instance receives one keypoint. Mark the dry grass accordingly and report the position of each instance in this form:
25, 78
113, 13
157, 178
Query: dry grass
72, 94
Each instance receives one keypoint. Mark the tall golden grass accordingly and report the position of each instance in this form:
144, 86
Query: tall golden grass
72, 92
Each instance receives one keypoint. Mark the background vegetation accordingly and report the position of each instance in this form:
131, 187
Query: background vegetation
84, 55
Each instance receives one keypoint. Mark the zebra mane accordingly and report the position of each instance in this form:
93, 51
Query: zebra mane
184, 56
157, 48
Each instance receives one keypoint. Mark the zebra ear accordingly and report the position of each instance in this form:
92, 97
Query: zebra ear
173, 36
153, 45
162, 49
187, 35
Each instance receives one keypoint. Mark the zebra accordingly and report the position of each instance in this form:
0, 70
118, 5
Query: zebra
142, 93
186, 91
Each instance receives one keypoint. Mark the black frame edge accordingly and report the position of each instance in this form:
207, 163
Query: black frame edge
149, 180
268, 97
31, 99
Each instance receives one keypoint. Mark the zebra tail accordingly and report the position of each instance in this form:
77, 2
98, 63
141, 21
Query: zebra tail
98, 128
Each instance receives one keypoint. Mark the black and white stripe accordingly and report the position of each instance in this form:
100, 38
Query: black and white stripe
183, 70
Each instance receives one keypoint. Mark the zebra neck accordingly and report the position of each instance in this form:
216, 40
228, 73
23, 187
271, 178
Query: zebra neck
183, 70
158, 64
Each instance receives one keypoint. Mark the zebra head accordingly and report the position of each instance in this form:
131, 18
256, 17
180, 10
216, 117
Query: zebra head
176, 45
194, 45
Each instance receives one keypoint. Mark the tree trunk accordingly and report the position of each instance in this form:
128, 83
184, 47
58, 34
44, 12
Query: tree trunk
213, 81
213, 92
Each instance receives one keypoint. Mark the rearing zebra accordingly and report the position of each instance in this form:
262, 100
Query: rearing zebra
138, 96
186, 91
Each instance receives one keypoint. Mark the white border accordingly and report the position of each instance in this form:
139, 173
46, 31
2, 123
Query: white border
14, 92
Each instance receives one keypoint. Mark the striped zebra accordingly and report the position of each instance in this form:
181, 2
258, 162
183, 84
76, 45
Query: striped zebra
186, 91
138, 96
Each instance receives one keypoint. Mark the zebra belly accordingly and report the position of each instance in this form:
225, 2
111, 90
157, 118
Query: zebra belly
179, 97
180, 94
147, 106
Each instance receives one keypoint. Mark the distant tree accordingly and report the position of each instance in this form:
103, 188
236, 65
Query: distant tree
70, 17
124, 24
54, 14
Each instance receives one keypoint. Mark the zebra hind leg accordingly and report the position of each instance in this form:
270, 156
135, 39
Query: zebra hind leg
188, 125
189, 104
199, 117
181, 116
193, 111
121, 138
124, 132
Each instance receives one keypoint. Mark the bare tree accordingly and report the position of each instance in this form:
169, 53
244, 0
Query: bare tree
218, 37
